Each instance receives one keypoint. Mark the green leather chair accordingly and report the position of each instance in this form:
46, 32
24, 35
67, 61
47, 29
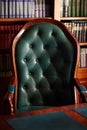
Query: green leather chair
45, 55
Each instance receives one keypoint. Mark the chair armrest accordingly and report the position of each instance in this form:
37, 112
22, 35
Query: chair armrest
10, 96
84, 91
78, 87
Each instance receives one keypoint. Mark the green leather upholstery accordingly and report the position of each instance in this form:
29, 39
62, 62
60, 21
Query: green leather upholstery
45, 58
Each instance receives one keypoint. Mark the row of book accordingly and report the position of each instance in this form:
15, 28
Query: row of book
73, 8
83, 57
78, 29
24, 8
7, 34
5, 65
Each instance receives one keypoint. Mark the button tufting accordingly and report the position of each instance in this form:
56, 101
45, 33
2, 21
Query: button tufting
25, 60
37, 60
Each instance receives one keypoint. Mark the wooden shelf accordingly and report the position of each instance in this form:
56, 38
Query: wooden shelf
83, 44
82, 73
73, 18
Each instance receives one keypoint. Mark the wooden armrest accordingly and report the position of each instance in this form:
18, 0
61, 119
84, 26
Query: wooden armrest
10, 96
82, 96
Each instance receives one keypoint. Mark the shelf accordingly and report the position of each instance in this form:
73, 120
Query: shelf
83, 44
83, 69
81, 73
73, 18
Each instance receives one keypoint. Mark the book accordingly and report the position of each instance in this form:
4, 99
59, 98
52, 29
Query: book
69, 8
5, 65
43, 8
21, 9
77, 30
82, 8
25, 9
13, 9
85, 31
66, 8
17, 13
80, 32
74, 28
82, 57
73, 8
86, 55
30, 8
36, 9
85, 8
40, 14
1, 65
33, 8
47, 7
78, 8
10, 9
1, 37
2, 9
6, 8
61, 8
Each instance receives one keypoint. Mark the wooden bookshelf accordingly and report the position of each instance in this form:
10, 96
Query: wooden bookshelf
82, 71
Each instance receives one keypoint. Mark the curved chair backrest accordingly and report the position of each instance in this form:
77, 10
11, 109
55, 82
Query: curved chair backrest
45, 57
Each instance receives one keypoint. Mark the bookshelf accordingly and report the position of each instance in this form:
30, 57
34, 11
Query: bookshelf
73, 13
26, 8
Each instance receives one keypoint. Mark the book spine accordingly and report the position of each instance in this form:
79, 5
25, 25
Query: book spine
9, 72
1, 37
69, 8
0, 65
66, 8
21, 9
40, 8
47, 8
43, 9
82, 8
36, 9
25, 9
86, 55
80, 32
17, 9
5, 36
78, 7
82, 57
61, 8
5, 65
6, 7
73, 8
33, 8
74, 29
85, 30
13, 9
10, 9
2, 10
29, 8
85, 8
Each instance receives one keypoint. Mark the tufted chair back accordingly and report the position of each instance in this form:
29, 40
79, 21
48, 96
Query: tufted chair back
45, 57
